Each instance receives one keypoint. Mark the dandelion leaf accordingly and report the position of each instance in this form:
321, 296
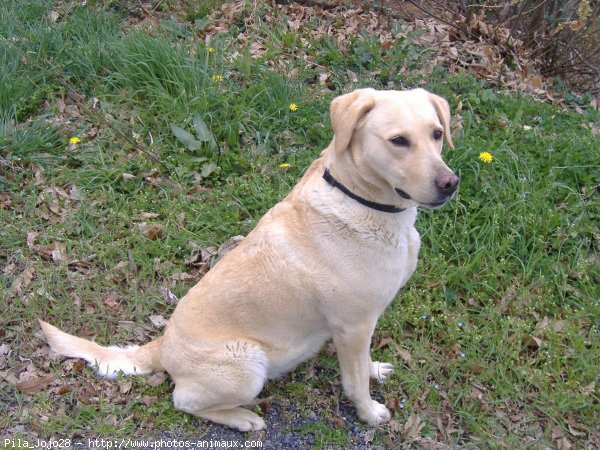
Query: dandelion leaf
202, 131
185, 138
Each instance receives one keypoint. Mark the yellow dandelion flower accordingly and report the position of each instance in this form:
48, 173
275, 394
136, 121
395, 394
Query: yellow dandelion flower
293, 107
74, 140
217, 78
211, 50
285, 165
486, 157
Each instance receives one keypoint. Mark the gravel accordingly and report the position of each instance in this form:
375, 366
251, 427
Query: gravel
289, 428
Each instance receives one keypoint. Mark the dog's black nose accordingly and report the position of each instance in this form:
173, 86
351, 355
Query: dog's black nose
447, 184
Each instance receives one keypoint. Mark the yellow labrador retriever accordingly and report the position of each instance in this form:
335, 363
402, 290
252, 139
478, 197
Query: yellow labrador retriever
324, 263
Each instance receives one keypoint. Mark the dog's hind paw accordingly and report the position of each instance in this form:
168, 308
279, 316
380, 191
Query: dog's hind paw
239, 418
380, 371
255, 423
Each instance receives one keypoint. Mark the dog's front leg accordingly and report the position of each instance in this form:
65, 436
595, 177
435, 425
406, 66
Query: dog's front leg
352, 344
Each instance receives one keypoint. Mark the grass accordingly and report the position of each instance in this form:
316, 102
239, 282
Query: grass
495, 337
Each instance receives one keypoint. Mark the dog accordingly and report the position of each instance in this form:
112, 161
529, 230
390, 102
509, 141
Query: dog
323, 263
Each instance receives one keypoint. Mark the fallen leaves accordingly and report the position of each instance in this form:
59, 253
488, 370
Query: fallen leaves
530, 341
149, 400
168, 296
34, 385
112, 301
459, 43
412, 428
204, 258
158, 321
306, 23
27, 378
156, 378
5, 351
55, 204
21, 282
405, 356
560, 439
152, 231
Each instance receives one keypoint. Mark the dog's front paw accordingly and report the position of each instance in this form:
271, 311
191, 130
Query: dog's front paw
380, 371
374, 414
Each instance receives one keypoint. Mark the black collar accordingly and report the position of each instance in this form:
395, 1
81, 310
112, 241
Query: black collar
363, 201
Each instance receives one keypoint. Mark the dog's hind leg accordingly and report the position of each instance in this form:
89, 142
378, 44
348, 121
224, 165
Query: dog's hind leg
220, 385
240, 418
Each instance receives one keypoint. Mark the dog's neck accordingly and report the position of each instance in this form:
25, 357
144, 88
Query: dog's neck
359, 189
363, 201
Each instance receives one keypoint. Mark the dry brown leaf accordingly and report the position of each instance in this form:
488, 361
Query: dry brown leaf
149, 400
395, 426
406, 356
178, 275
453, 351
563, 444
227, 246
392, 403
369, 436
65, 389
338, 422
181, 219
152, 231
383, 342
125, 387
9, 269
330, 350
112, 301
475, 369
531, 341
21, 282
412, 428
35, 384
263, 404
156, 378
577, 430
158, 321
559, 326
542, 324
169, 297
57, 251
5, 201
148, 215
75, 194
475, 394
589, 389
31, 236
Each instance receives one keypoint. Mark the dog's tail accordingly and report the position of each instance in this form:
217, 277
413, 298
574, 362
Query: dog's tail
108, 361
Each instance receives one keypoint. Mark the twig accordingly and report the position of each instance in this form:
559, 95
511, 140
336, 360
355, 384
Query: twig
504, 5
435, 16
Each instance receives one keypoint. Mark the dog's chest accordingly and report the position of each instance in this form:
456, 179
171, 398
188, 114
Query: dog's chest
374, 258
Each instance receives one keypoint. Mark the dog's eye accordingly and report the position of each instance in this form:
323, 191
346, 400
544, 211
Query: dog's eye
400, 141
437, 135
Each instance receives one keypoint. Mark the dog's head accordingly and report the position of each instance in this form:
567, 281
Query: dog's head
391, 142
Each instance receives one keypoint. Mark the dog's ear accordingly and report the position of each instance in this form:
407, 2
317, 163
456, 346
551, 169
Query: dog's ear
346, 110
442, 108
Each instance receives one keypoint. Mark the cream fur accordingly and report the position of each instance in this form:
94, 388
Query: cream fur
318, 265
